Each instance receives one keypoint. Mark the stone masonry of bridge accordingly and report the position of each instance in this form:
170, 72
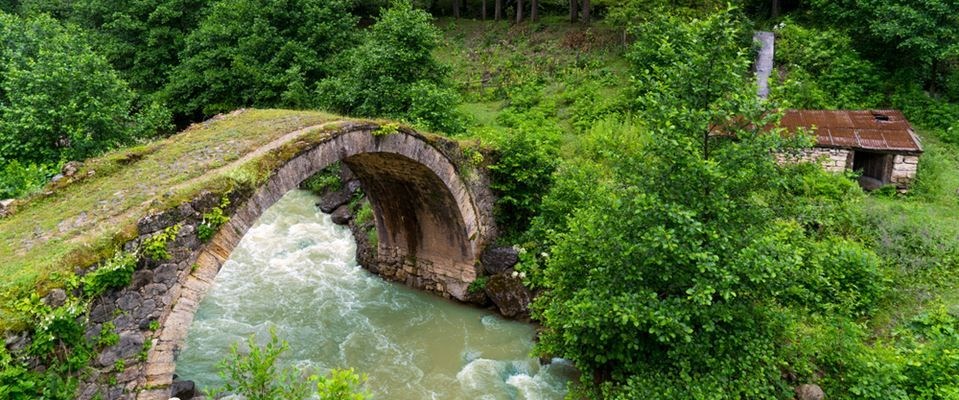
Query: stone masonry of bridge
433, 216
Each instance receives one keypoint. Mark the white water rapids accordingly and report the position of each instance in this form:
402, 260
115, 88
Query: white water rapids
296, 271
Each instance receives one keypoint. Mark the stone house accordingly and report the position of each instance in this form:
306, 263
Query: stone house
879, 144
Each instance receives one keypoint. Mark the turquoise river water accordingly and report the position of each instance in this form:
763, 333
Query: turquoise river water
296, 271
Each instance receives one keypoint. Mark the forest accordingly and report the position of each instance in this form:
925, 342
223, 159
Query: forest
669, 262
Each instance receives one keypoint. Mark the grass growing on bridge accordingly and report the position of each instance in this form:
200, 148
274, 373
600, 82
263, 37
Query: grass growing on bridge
74, 224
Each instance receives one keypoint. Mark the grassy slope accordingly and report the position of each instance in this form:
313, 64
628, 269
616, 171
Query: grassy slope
77, 223
925, 222
490, 59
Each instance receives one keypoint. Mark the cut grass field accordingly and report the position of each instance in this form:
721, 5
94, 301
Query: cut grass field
76, 222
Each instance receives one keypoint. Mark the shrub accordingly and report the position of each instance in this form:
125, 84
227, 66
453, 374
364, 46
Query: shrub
18, 180
213, 220
477, 285
393, 73
256, 376
116, 272
325, 181
259, 53
58, 99
155, 247
823, 70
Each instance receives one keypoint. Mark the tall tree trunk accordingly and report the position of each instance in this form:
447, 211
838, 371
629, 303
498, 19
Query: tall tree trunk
573, 11
519, 11
456, 8
775, 9
586, 9
934, 77
498, 12
534, 10
484, 10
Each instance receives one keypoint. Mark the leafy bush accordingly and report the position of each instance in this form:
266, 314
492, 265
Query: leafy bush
341, 384
59, 100
116, 272
259, 53
393, 73
325, 181
823, 70
256, 376
155, 247
18, 180
213, 220
477, 285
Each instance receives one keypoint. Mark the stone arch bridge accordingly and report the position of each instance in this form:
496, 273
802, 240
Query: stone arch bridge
433, 218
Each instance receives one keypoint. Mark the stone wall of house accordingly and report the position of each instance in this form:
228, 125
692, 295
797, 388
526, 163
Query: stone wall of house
832, 160
904, 168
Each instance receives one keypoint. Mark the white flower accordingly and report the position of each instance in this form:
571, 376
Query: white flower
515, 274
522, 275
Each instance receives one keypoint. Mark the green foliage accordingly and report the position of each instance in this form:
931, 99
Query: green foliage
684, 264
58, 99
929, 345
477, 285
387, 129
256, 376
18, 180
117, 272
326, 181
926, 111
823, 70
341, 384
525, 158
393, 73
155, 247
212, 221
913, 35
108, 335
259, 53
141, 39
365, 213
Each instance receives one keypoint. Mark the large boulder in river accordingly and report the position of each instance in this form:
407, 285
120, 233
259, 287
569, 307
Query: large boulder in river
509, 295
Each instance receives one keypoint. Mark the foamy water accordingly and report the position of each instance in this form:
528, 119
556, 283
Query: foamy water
296, 271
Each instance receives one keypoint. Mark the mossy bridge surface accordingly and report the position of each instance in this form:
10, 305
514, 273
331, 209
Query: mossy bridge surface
432, 209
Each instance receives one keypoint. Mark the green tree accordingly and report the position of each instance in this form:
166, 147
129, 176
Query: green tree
58, 99
394, 74
141, 39
920, 34
261, 53
670, 280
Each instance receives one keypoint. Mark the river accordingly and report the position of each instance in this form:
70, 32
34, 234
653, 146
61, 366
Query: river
296, 271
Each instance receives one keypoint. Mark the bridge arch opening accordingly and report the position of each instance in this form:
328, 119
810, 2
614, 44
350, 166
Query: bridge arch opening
429, 225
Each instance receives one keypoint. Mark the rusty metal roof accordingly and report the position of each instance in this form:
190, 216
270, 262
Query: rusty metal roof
880, 130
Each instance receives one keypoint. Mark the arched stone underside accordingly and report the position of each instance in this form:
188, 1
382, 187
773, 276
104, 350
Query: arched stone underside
432, 225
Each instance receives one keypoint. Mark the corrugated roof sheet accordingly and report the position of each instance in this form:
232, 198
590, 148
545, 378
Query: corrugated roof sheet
880, 130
